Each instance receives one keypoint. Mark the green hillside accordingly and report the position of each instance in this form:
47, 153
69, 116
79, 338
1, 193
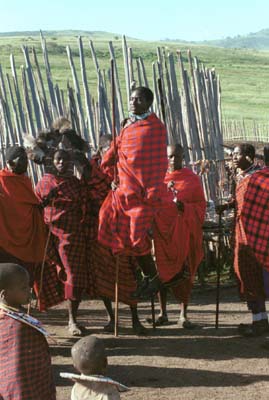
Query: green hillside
244, 73
257, 40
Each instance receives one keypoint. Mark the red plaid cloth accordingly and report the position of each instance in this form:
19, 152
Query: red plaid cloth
67, 243
52, 290
178, 236
104, 268
25, 366
251, 214
255, 215
102, 261
127, 214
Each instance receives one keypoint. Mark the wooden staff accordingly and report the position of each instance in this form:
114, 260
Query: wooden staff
218, 270
113, 98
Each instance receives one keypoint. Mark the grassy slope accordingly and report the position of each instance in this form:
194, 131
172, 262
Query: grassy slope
244, 74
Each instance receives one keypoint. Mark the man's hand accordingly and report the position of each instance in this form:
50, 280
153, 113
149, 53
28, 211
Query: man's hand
52, 195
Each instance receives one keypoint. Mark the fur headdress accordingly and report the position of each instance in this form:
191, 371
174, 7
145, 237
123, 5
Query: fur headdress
61, 136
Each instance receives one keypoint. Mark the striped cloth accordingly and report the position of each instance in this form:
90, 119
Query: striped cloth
255, 215
25, 366
250, 234
127, 214
102, 261
67, 245
52, 289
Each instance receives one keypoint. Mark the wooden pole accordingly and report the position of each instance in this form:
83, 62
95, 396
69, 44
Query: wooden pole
113, 93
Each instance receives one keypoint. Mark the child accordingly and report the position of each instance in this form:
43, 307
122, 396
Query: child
90, 360
25, 366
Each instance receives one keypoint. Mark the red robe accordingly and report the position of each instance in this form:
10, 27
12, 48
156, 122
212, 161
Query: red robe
178, 235
251, 252
25, 366
23, 234
67, 245
22, 230
102, 261
127, 214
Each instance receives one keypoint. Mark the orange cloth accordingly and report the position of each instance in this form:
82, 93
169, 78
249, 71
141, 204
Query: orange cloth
22, 230
178, 235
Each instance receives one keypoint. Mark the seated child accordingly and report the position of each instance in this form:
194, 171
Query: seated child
90, 360
25, 366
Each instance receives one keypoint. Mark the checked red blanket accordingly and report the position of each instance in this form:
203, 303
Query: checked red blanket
102, 261
251, 253
127, 214
255, 215
67, 246
25, 366
178, 235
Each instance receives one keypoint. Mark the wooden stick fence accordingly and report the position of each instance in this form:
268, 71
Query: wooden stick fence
186, 99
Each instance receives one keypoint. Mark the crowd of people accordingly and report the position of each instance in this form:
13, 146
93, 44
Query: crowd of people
134, 208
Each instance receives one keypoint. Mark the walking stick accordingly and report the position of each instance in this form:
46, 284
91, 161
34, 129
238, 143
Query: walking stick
44, 258
113, 93
218, 270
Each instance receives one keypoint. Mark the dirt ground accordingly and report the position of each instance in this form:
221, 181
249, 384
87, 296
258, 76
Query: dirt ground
172, 363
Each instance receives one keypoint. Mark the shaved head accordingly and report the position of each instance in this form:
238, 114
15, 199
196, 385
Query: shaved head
10, 273
89, 356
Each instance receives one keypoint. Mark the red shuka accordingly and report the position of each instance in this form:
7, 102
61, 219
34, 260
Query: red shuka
22, 230
102, 261
178, 235
25, 366
251, 252
67, 245
127, 214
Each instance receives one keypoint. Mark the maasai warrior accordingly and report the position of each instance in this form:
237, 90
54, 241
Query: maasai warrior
178, 233
102, 261
251, 236
25, 366
127, 214
23, 233
64, 216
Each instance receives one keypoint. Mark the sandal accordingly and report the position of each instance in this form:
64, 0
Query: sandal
74, 329
186, 324
139, 329
257, 328
160, 321
109, 327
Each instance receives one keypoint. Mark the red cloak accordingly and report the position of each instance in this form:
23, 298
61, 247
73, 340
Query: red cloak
22, 230
25, 366
178, 235
127, 214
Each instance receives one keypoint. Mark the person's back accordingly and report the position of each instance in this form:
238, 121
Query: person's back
90, 360
25, 366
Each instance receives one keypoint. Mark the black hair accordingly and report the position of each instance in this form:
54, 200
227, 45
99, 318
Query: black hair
7, 273
247, 149
146, 92
13, 152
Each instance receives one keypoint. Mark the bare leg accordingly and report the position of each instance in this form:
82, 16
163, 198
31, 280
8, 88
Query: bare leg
183, 321
138, 328
109, 327
183, 311
72, 314
162, 297
150, 284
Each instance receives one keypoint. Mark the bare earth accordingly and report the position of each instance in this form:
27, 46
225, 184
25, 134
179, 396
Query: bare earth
172, 363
